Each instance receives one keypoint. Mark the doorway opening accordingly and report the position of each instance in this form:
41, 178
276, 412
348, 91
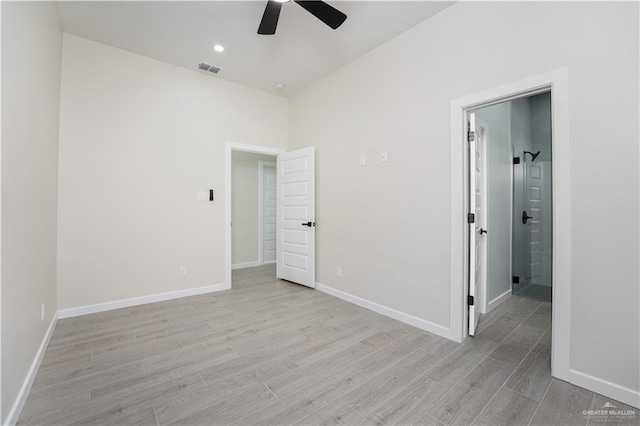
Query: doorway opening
253, 217
253, 211
557, 83
294, 213
532, 199
249, 211
511, 238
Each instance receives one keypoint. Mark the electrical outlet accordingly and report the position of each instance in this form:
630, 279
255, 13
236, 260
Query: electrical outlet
183, 271
42, 312
339, 271
363, 160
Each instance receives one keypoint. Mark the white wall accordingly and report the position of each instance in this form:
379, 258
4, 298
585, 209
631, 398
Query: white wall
499, 196
387, 225
31, 52
138, 139
244, 206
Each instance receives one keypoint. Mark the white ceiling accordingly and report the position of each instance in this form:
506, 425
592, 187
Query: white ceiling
302, 51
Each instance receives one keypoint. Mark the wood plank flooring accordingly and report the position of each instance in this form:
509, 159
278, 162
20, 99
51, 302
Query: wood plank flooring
270, 352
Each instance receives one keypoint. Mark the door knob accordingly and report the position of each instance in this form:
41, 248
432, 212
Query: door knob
309, 224
525, 217
483, 231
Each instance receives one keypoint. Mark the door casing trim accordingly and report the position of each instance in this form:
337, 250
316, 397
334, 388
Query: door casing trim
558, 83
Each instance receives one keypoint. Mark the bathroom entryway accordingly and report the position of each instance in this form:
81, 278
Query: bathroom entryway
510, 236
532, 198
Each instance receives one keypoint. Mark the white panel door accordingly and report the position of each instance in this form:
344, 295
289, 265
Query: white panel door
296, 216
269, 217
533, 225
477, 229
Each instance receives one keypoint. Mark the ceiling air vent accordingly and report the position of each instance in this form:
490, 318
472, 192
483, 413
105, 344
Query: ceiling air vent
208, 67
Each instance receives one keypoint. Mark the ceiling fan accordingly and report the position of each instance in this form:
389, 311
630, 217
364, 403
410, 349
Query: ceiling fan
321, 10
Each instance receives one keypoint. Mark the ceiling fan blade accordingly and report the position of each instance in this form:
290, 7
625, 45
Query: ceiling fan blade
270, 17
324, 12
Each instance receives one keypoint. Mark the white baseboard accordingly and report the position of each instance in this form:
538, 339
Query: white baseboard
605, 388
388, 312
117, 304
246, 265
498, 300
21, 398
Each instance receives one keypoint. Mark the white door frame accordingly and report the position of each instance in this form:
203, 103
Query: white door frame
558, 82
261, 165
228, 148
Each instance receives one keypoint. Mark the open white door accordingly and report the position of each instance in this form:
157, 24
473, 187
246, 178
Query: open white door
477, 219
296, 216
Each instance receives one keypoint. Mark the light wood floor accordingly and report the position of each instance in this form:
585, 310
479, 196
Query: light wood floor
272, 352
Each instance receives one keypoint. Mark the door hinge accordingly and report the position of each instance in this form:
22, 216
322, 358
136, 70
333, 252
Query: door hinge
515, 279
471, 136
471, 218
470, 300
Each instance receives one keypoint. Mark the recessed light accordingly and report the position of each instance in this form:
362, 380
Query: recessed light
279, 86
282, 1
218, 48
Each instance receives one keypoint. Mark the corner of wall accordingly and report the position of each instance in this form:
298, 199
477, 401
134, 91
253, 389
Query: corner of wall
23, 394
29, 224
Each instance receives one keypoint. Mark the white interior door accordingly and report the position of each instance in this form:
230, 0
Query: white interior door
269, 216
533, 225
296, 216
477, 227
